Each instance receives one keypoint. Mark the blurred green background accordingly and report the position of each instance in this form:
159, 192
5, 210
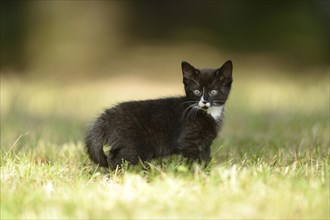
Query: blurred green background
63, 62
68, 39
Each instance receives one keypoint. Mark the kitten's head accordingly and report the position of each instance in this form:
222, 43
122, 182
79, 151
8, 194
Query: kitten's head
207, 87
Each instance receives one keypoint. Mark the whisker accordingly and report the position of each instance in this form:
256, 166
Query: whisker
219, 102
187, 102
189, 107
196, 111
191, 112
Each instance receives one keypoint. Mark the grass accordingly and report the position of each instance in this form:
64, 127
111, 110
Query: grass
270, 161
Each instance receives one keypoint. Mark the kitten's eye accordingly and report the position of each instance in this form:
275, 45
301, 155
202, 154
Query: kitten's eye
214, 92
197, 92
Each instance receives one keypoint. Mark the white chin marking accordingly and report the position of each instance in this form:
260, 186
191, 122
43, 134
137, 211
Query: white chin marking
215, 111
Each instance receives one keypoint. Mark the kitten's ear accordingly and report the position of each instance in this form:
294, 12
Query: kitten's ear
188, 70
226, 70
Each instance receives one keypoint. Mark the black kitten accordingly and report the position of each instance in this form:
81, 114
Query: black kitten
144, 130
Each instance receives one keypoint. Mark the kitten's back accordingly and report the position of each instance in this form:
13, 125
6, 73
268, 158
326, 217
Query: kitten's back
150, 127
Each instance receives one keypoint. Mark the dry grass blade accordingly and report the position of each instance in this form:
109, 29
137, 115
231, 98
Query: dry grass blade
14, 144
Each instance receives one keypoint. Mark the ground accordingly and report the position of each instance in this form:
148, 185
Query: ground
271, 159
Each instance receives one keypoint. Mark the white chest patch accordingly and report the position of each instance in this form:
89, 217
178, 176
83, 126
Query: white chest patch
215, 112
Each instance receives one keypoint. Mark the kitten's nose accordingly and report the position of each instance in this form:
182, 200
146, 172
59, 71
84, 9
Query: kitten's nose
204, 102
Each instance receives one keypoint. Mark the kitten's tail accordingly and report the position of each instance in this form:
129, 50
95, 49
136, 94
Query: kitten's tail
94, 143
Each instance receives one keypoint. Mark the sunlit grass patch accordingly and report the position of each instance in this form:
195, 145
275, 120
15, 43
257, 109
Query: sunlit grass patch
249, 189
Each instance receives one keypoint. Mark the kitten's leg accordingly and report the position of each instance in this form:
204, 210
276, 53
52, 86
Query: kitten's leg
195, 145
195, 152
117, 155
205, 155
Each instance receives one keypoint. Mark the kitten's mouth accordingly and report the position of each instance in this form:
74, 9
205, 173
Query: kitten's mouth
204, 105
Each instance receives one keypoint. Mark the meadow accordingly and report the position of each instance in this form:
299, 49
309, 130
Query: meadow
271, 160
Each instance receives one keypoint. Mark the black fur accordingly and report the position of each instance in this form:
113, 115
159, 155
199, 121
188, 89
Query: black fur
144, 130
